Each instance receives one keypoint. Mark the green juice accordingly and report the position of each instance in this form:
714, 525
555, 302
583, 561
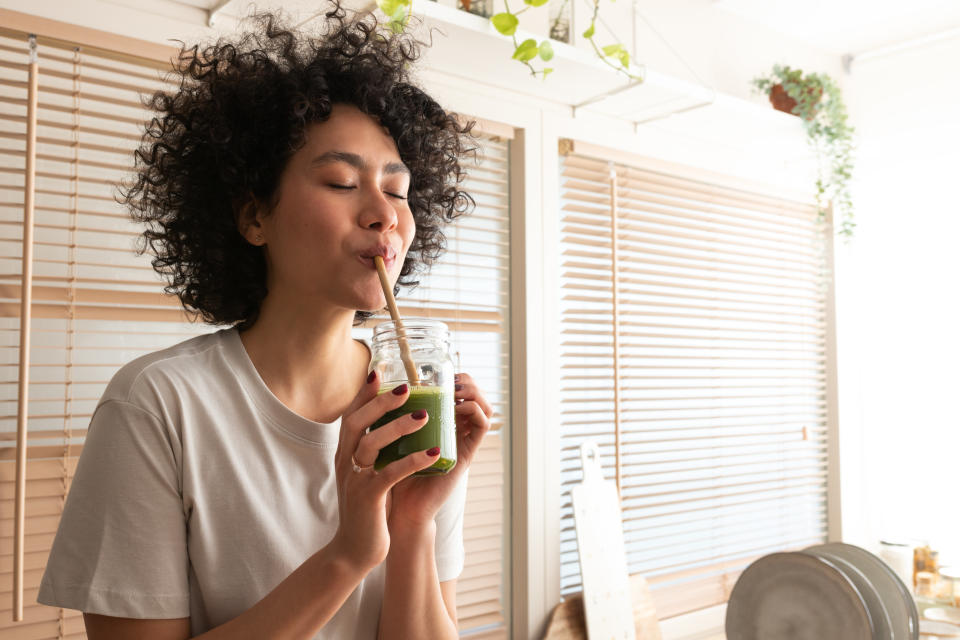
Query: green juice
440, 430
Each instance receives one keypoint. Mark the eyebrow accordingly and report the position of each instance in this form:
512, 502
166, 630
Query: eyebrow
356, 161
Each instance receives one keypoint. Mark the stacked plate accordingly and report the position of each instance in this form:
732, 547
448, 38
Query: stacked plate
827, 592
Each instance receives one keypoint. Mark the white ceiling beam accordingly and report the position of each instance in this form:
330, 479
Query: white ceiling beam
899, 47
214, 10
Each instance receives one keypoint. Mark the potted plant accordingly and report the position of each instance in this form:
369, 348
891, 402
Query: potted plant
817, 100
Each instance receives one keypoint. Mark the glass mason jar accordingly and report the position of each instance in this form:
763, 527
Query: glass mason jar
429, 344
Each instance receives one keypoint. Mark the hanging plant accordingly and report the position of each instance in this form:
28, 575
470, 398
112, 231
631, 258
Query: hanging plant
817, 100
526, 52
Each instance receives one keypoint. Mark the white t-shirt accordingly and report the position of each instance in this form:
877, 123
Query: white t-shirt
198, 492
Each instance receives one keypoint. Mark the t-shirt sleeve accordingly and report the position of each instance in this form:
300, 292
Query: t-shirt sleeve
449, 541
121, 547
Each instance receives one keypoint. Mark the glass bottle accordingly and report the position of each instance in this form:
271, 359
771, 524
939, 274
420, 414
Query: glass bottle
950, 580
560, 17
429, 344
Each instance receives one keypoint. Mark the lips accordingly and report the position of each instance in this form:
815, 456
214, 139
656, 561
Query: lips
384, 250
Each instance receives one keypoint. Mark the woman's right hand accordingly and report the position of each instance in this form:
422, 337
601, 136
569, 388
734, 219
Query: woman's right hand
362, 538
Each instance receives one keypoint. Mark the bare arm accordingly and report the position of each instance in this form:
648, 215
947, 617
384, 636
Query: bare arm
449, 590
297, 608
415, 604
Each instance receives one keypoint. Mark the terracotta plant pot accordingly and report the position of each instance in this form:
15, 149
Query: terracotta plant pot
783, 102
780, 100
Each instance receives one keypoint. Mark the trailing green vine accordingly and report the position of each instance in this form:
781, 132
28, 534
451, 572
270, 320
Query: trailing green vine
527, 51
819, 103
616, 50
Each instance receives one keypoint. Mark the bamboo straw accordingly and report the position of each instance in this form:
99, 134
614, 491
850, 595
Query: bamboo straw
26, 283
397, 322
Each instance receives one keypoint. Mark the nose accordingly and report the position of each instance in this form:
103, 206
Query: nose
378, 212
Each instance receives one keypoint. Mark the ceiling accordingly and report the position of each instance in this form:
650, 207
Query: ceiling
850, 26
836, 26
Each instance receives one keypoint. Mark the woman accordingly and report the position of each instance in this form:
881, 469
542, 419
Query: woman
226, 487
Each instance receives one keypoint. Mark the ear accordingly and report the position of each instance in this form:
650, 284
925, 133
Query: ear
249, 222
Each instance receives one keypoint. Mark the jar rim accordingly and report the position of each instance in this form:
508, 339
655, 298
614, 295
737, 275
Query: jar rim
411, 324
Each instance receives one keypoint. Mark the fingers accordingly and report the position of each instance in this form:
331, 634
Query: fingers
472, 426
473, 414
368, 391
371, 443
404, 467
465, 388
354, 424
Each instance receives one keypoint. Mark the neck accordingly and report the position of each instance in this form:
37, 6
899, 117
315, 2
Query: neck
303, 357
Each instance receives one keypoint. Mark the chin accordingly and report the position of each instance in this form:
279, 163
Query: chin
371, 305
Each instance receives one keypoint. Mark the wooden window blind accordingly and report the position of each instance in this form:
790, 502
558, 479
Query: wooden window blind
97, 305
693, 353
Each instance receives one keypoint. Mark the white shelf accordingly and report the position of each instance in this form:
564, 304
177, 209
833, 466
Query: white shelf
469, 48
578, 76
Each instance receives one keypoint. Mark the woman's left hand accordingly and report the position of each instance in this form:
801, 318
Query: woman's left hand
414, 501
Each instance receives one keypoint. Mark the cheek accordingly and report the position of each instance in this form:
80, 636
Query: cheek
408, 229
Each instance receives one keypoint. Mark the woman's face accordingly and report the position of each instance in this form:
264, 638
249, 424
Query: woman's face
342, 200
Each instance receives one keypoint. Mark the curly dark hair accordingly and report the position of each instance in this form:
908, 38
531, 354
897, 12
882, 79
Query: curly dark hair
221, 141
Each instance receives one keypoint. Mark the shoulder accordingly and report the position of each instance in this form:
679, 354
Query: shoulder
152, 378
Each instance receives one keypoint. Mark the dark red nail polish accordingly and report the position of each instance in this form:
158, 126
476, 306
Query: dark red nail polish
419, 414
458, 387
435, 451
373, 374
399, 391
456, 377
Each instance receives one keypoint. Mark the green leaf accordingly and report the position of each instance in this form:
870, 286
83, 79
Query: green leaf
536, 3
390, 8
546, 50
527, 50
624, 57
547, 71
589, 32
612, 49
505, 23
396, 12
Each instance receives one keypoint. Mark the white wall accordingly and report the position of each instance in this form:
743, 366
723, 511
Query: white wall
900, 301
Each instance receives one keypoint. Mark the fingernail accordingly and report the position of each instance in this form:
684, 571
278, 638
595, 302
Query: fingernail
399, 391
456, 377
458, 387
419, 414
435, 451
373, 374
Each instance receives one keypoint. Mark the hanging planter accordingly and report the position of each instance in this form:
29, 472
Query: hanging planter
817, 100
782, 101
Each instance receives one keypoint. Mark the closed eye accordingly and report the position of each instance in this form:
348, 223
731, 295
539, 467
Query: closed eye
347, 187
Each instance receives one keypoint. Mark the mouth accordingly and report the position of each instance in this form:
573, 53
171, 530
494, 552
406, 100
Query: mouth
384, 250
